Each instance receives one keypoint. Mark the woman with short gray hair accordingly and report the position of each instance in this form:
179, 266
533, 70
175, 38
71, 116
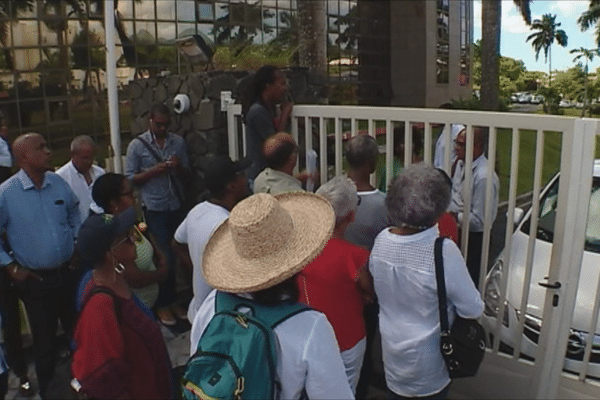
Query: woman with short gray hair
403, 269
337, 282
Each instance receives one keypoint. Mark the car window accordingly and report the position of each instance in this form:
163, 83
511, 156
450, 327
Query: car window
547, 217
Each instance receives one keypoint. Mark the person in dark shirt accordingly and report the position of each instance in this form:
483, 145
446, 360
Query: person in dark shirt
268, 88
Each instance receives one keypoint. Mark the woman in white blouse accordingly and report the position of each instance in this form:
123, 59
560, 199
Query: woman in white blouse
403, 269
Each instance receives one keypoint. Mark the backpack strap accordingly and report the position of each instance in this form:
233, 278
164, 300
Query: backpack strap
269, 315
105, 290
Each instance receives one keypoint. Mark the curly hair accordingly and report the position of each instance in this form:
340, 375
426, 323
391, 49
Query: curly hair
418, 196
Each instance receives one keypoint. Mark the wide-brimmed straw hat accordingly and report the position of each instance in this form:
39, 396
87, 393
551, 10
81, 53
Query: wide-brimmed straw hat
266, 240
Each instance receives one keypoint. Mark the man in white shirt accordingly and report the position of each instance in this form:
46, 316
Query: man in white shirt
227, 183
81, 173
480, 167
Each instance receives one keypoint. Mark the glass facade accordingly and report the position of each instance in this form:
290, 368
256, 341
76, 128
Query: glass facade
443, 41
53, 60
466, 40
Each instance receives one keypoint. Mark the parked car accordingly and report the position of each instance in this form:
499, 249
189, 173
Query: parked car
514, 98
582, 314
565, 103
537, 99
524, 98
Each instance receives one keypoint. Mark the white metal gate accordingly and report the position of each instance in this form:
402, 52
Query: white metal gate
535, 370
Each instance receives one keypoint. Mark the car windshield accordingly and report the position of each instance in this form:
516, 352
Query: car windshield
547, 217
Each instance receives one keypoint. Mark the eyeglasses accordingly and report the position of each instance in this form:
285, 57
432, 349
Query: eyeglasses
126, 239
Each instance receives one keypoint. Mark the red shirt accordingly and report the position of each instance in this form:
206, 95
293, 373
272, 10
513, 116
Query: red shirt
113, 356
448, 227
329, 284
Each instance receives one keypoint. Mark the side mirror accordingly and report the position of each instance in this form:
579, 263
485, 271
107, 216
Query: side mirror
518, 215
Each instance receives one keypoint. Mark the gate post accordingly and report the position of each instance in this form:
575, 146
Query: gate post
577, 162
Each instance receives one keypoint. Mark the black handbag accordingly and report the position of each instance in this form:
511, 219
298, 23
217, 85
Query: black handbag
463, 345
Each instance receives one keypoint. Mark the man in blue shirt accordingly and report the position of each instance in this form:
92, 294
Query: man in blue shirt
156, 162
39, 214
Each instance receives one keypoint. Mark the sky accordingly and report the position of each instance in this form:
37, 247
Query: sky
514, 33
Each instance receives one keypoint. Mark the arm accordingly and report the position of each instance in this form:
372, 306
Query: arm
183, 253
134, 168
364, 281
286, 112
460, 290
478, 202
326, 375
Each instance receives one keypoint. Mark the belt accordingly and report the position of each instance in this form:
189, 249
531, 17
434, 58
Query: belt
51, 271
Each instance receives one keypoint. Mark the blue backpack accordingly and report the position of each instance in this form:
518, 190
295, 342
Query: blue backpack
236, 356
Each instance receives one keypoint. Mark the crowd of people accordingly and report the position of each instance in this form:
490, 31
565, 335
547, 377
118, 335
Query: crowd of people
360, 258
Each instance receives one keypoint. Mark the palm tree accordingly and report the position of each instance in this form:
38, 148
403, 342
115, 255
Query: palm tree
589, 55
546, 34
591, 17
491, 21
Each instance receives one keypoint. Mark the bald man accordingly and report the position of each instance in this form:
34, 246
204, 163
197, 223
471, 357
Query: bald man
40, 213
281, 155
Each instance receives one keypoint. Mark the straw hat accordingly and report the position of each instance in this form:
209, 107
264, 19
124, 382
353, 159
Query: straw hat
266, 240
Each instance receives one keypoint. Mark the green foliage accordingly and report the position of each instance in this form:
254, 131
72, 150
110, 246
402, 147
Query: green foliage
474, 104
551, 100
252, 57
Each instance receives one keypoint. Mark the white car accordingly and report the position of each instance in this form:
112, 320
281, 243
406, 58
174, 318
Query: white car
582, 314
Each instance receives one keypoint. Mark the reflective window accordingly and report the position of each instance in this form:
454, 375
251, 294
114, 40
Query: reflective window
443, 41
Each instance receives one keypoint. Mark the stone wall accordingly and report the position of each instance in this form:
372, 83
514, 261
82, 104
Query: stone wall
204, 126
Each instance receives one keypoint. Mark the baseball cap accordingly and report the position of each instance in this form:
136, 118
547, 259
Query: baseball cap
221, 170
98, 233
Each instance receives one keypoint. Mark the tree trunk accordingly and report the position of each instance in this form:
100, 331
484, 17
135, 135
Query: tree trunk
313, 35
491, 14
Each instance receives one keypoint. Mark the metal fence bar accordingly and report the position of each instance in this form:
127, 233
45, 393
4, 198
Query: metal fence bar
389, 152
295, 136
232, 134
467, 192
591, 334
427, 157
338, 147
323, 150
533, 227
485, 251
512, 199
567, 250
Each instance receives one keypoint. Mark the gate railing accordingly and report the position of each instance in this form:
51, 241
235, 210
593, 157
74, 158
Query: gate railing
522, 145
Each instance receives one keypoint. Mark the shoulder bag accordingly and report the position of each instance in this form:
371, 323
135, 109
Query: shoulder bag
463, 345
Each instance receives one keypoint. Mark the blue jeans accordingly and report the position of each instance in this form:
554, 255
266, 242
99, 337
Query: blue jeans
162, 225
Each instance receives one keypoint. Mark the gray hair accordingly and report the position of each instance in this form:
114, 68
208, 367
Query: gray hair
360, 150
81, 141
341, 193
418, 196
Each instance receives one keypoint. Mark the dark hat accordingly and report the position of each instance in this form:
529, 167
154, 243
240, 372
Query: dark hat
220, 170
98, 233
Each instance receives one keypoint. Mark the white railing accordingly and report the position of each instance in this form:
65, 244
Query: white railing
332, 124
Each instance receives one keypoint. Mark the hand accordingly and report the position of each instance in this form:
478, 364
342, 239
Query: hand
286, 107
20, 274
305, 176
173, 162
161, 168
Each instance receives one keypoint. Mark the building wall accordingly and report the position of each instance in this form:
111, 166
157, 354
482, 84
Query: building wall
413, 55
409, 40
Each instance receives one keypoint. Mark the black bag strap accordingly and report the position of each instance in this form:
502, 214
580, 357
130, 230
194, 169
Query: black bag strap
441, 284
160, 159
